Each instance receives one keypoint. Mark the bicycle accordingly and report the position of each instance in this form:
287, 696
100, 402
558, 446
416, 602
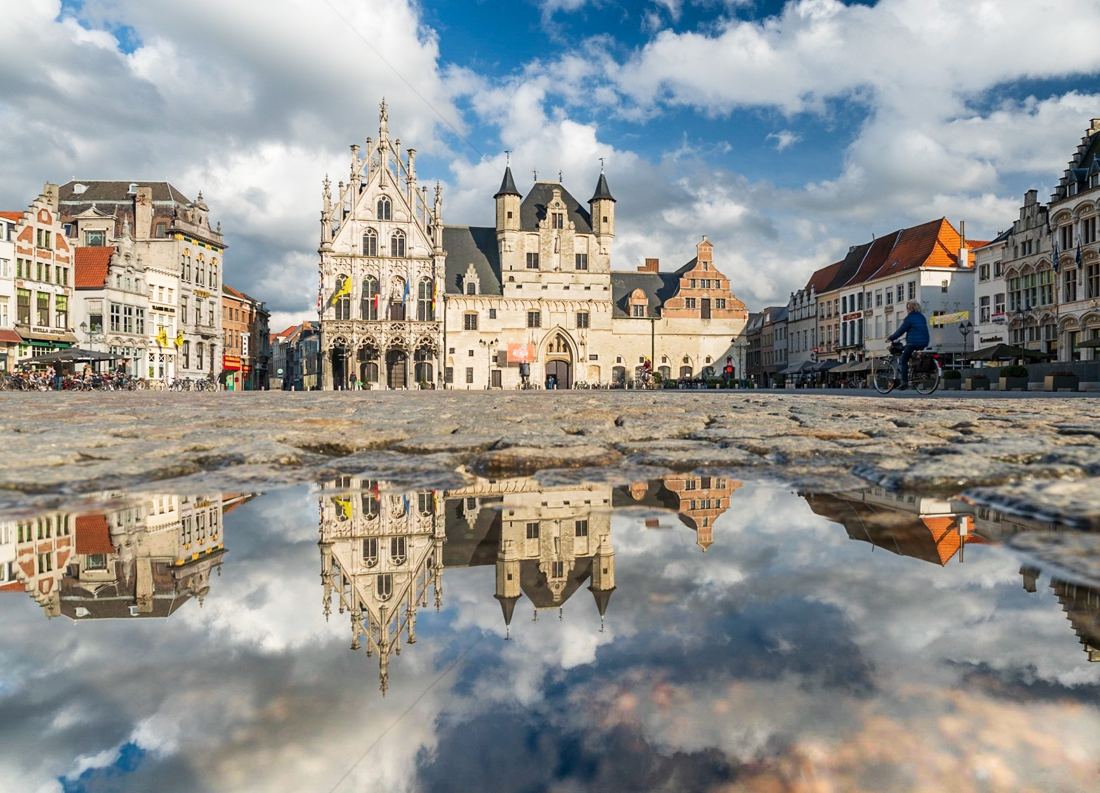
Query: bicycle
925, 371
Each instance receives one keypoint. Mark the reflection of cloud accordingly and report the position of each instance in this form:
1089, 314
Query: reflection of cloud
784, 139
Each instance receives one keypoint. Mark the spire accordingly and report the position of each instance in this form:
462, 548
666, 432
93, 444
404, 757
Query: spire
508, 606
383, 120
603, 597
508, 186
603, 192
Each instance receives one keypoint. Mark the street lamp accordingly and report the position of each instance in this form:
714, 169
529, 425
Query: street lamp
489, 345
740, 348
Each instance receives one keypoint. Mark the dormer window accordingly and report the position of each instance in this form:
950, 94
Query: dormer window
557, 220
385, 208
95, 239
471, 288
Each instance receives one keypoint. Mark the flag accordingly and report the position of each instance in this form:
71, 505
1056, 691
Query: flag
1054, 257
435, 294
179, 339
343, 289
162, 337
1078, 253
344, 503
405, 295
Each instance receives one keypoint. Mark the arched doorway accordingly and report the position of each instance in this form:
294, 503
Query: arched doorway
368, 366
397, 364
339, 368
561, 371
559, 362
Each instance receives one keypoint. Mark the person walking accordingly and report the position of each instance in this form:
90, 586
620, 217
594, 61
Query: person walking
915, 330
728, 371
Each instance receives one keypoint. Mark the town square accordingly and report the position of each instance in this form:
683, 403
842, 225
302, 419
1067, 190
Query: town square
560, 395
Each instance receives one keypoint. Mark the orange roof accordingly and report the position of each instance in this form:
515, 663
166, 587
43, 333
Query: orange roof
10, 336
93, 535
15, 217
91, 267
821, 279
14, 586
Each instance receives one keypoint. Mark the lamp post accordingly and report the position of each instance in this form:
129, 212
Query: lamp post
965, 328
740, 348
489, 346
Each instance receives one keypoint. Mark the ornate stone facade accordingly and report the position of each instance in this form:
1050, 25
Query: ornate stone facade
408, 301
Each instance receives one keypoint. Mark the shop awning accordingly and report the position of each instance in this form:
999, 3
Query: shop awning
1088, 343
1006, 352
59, 339
76, 355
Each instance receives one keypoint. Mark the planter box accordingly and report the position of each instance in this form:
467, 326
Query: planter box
952, 385
977, 384
1053, 383
1014, 384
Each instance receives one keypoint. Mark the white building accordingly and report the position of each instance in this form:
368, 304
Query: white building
990, 290
9, 339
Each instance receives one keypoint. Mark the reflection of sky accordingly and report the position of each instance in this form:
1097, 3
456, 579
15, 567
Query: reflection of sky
787, 652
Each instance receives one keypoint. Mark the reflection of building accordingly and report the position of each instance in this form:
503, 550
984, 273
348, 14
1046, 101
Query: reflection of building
1082, 607
698, 500
144, 558
381, 552
931, 529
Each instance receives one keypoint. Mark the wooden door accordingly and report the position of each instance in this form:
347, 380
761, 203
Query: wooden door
396, 366
704, 308
561, 370
496, 378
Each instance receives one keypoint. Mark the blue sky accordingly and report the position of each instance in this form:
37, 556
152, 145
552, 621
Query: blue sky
784, 131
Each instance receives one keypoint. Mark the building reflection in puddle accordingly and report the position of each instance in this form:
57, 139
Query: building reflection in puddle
383, 554
144, 557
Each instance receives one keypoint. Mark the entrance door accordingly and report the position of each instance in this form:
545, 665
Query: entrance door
704, 308
396, 366
496, 378
562, 372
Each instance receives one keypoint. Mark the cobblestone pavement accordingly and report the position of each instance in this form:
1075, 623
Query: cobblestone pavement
1037, 455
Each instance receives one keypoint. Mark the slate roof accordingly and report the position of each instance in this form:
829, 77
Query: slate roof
658, 288
90, 271
507, 185
533, 208
112, 191
602, 190
466, 245
533, 583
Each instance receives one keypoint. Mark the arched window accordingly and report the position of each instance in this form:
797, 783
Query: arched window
368, 369
370, 550
399, 551
343, 303
385, 586
422, 366
370, 242
214, 273
385, 208
425, 301
368, 303
397, 244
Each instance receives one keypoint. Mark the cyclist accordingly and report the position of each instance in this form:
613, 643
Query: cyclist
915, 330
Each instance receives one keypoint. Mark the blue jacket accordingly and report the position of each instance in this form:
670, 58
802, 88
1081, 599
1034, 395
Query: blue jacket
915, 328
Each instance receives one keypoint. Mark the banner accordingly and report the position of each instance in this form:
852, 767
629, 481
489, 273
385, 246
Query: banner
521, 353
947, 319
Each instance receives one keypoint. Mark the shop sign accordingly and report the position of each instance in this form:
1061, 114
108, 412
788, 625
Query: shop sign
991, 339
869, 312
948, 319
231, 363
998, 318
852, 316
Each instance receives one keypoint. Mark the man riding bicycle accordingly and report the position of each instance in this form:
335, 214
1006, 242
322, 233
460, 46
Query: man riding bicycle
915, 330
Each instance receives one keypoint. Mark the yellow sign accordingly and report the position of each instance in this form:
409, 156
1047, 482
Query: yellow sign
162, 338
948, 319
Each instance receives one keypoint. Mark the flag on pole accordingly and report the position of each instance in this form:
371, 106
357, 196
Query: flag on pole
344, 289
162, 337
405, 294
1054, 257
435, 294
179, 339
1078, 253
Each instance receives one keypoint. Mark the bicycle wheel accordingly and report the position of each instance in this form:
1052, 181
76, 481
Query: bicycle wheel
882, 375
925, 384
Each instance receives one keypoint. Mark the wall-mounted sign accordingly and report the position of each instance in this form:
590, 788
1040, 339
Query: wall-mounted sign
521, 353
998, 318
947, 319
991, 339
852, 316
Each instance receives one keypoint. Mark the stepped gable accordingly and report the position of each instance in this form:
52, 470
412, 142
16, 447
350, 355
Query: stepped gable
466, 245
533, 209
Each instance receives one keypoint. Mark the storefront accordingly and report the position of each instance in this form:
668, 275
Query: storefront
232, 374
38, 342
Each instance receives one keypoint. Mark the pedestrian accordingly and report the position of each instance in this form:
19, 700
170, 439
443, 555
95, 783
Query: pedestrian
728, 371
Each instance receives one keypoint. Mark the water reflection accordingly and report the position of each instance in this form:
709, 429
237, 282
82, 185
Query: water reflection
145, 557
381, 552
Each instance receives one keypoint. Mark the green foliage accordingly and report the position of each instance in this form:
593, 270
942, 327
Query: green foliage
1061, 374
1015, 370
952, 374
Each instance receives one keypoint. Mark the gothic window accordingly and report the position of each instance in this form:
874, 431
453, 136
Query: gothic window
343, 303
559, 345
370, 551
213, 273
397, 244
368, 303
398, 550
385, 586
385, 208
370, 242
422, 367
425, 301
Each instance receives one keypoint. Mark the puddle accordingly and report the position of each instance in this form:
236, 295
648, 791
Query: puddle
687, 633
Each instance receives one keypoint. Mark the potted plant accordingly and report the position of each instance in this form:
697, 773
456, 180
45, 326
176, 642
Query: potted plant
1061, 381
426, 386
1014, 378
952, 380
977, 382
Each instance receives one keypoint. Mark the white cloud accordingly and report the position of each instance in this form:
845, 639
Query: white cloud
784, 138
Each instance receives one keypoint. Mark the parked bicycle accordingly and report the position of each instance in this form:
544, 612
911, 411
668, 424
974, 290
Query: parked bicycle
925, 371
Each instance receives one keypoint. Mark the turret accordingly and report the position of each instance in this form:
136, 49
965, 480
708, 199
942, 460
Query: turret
603, 575
602, 204
508, 591
508, 198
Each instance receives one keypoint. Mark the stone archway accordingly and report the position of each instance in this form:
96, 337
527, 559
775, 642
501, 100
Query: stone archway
397, 369
559, 360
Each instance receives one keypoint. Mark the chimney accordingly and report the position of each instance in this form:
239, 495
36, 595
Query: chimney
143, 213
50, 191
650, 266
964, 255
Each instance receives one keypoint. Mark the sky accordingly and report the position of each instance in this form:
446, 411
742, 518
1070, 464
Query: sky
787, 647
784, 131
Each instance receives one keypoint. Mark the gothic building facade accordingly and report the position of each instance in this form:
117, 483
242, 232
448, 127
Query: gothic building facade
407, 301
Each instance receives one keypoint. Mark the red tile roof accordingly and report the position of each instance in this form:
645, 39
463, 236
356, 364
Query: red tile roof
93, 535
91, 267
10, 336
823, 277
15, 217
